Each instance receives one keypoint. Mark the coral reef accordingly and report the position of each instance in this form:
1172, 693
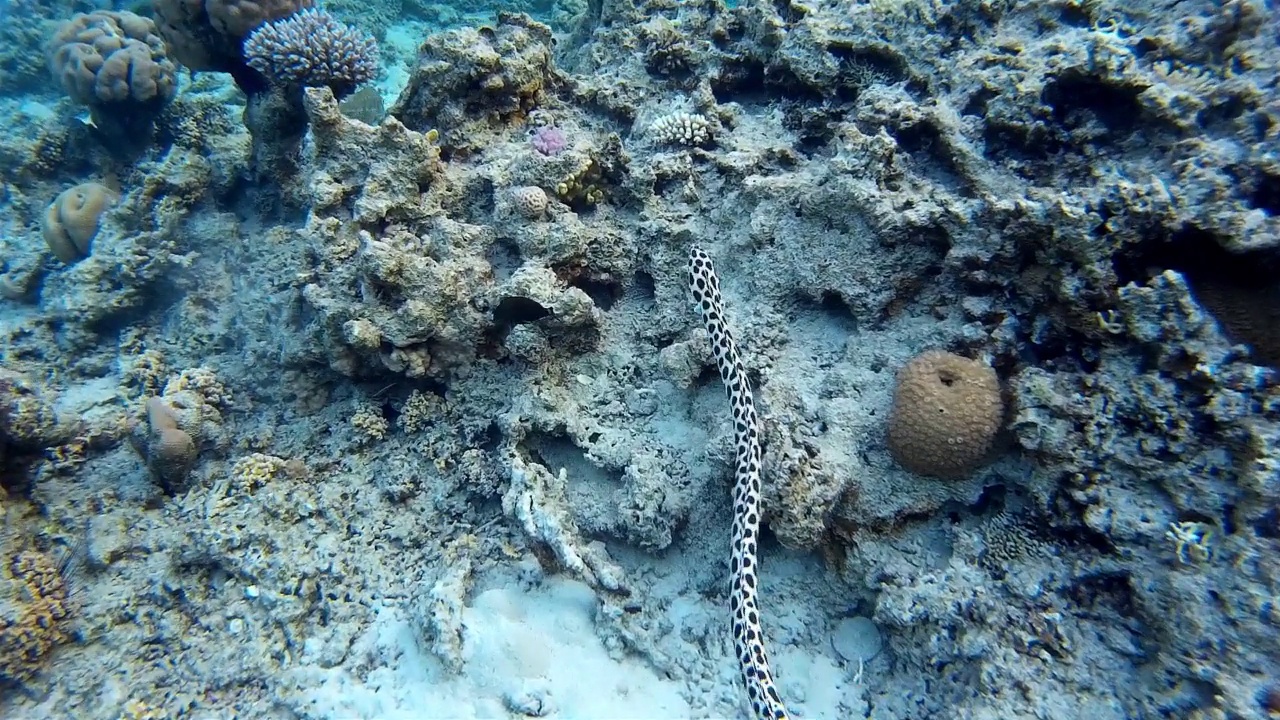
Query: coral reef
29, 424
210, 34
478, 448
468, 82
169, 450
681, 128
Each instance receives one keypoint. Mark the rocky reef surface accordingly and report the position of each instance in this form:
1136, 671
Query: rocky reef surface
391, 403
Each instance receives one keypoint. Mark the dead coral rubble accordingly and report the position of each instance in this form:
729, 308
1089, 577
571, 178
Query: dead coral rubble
469, 82
29, 425
35, 610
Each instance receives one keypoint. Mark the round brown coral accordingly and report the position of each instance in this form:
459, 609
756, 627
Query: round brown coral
946, 413
72, 220
106, 57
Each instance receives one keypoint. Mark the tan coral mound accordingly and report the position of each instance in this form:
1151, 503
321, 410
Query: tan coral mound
946, 413
172, 451
111, 57
72, 220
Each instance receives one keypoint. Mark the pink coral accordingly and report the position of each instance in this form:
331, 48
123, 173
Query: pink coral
549, 140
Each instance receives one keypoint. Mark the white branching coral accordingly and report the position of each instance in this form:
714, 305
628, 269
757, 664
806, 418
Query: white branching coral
681, 128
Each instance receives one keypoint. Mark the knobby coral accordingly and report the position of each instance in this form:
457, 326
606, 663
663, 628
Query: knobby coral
35, 621
107, 57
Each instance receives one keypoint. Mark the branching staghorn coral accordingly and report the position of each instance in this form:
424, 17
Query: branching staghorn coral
748, 638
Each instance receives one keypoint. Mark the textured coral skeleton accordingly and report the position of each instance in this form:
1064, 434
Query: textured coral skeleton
748, 637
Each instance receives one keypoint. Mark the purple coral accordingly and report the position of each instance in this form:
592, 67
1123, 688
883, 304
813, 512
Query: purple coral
549, 140
313, 49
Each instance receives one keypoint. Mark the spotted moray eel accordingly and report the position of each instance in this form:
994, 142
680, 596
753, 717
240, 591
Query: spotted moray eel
748, 639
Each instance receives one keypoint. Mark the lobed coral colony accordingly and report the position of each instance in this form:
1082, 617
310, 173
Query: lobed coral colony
770, 359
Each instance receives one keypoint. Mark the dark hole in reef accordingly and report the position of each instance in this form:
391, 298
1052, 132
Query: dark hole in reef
925, 139
1267, 524
1262, 125
1238, 289
588, 481
479, 202
788, 12
976, 105
891, 67
603, 290
1111, 589
1193, 516
1222, 112
731, 33
1145, 46
513, 310
1075, 16
787, 84
667, 184
835, 306
863, 67
158, 299
1031, 144
751, 83
992, 499
491, 438
743, 81
643, 283
1229, 519
504, 257
708, 376
1266, 194
1074, 93
389, 411
384, 292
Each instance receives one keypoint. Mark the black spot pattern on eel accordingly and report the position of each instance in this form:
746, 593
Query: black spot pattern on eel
748, 639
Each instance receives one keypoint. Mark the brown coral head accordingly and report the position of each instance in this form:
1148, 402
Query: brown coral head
72, 220
108, 57
160, 416
173, 453
237, 18
947, 411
